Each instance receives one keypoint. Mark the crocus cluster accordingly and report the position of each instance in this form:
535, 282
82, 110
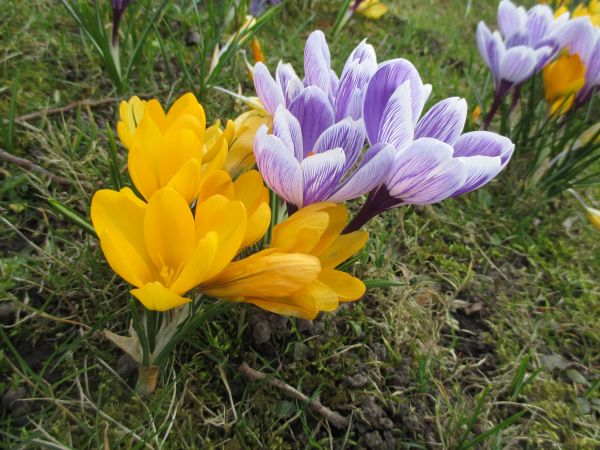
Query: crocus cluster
193, 221
364, 132
528, 41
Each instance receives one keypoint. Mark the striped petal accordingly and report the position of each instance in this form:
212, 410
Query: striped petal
444, 121
314, 113
267, 89
321, 174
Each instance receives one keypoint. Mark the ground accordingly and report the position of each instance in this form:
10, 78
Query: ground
488, 338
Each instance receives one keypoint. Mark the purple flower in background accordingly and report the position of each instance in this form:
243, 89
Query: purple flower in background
433, 160
343, 95
312, 158
257, 7
118, 7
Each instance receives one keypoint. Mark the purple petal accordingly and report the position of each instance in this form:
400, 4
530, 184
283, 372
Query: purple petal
348, 135
425, 173
491, 49
518, 64
287, 128
321, 174
444, 121
315, 114
390, 76
397, 128
576, 35
484, 143
291, 85
511, 19
267, 89
592, 74
351, 84
516, 39
278, 167
365, 55
480, 170
317, 63
372, 172
539, 19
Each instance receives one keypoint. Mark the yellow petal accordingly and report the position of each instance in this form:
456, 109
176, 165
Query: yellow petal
178, 147
118, 218
131, 113
251, 191
154, 112
338, 219
228, 219
305, 311
156, 297
266, 274
199, 264
143, 159
346, 287
187, 180
301, 231
343, 248
217, 183
169, 231
187, 104
372, 9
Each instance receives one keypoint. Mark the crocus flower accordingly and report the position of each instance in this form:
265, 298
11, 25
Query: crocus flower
592, 214
172, 149
312, 231
258, 7
239, 134
164, 250
371, 9
579, 37
433, 159
342, 95
318, 160
563, 79
118, 8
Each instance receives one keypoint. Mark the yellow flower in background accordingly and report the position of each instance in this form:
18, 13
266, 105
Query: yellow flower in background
160, 247
476, 114
239, 134
257, 52
172, 149
563, 79
372, 9
592, 214
313, 231
592, 10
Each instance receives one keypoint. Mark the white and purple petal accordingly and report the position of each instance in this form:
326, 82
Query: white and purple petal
290, 83
511, 19
278, 167
317, 62
321, 174
484, 143
363, 53
351, 85
397, 128
518, 64
425, 173
287, 128
267, 89
371, 172
444, 121
348, 135
480, 171
315, 114
539, 20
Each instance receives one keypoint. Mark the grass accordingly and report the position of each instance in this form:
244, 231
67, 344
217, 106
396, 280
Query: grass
488, 340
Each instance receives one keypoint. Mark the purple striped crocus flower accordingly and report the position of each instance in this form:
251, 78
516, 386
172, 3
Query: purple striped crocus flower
118, 8
433, 159
314, 158
343, 95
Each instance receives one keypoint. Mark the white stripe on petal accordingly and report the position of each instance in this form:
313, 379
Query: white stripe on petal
396, 126
321, 174
267, 89
444, 121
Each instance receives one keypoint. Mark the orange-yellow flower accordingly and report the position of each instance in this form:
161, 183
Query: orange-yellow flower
312, 231
563, 79
372, 9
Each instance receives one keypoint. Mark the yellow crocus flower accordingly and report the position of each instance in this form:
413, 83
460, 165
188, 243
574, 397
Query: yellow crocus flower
312, 231
592, 214
563, 79
372, 9
172, 149
160, 247
239, 134
592, 10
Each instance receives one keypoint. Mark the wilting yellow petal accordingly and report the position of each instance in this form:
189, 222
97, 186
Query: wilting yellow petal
196, 269
346, 287
228, 219
343, 248
156, 297
372, 9
240, 136
265, 274
169, 232
187, 180
118, 218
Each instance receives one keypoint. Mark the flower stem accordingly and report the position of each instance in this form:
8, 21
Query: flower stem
147, 378
379, 200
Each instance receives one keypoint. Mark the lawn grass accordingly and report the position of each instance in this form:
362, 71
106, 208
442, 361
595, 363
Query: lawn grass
489, 339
